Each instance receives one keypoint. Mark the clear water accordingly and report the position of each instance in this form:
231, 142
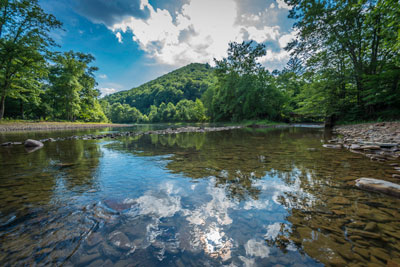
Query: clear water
249, 197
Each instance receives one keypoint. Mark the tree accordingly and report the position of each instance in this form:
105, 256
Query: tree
354, 46
72, 87
24, 42
244, 89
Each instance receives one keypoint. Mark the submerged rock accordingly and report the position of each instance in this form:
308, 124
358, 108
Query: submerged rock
380, 186
332, 146
120, 241
32, 143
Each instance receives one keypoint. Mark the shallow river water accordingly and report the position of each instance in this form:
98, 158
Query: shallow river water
248, 197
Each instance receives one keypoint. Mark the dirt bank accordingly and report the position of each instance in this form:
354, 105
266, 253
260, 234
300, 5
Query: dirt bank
34, 126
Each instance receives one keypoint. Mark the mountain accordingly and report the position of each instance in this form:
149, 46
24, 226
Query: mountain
188, 82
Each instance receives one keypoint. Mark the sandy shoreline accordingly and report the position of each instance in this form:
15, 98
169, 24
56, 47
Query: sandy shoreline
38, 126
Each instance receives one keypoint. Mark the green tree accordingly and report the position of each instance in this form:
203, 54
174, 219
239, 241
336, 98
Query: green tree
24, 42
353, 45
72, 88
244, 90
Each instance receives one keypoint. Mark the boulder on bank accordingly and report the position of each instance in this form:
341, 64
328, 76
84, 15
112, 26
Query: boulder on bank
32, 143
380, 186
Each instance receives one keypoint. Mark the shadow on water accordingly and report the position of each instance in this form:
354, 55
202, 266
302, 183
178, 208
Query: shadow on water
250, 197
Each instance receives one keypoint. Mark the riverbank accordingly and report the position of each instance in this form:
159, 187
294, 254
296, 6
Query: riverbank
39, 143
12, 126
377, 141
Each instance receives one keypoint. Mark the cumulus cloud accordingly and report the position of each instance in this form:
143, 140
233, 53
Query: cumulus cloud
198, 31
282, 4
107, 91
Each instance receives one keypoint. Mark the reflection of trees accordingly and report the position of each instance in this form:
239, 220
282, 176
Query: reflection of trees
236, 158
328, 219
30, 179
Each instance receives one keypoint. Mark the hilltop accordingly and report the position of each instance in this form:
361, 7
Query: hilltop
188, 82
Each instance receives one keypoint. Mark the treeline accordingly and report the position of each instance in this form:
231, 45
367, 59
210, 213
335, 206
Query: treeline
35, 81
184, 111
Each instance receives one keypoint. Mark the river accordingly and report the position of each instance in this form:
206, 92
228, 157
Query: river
246, 197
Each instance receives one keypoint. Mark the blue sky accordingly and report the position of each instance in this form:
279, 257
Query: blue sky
135, 41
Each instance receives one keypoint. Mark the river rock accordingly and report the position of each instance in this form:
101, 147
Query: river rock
332, 146
7, 144
32, 143
355, 147
380, 186
120, 240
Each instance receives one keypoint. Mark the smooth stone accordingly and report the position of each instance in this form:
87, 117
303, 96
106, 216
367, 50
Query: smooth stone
396, 176
332, 146
379, 253
94, 239
371, 226
7, 144
120, 240
380, 186
85, 259
32, 143
32, 149
109, 251
362, 233
355, 147
362, 251
370, 147
65, 165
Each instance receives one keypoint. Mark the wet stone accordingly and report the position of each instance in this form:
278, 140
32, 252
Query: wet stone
86, 259
120, 240
32, 143
109, 251
371, 226
94, 239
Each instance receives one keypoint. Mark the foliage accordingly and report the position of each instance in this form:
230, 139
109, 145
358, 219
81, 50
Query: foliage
71, 89
189, 82
24, 42
245, 90
351, 53
184, 111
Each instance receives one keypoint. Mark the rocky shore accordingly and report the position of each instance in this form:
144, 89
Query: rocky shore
376, 141
34, 126
29, 143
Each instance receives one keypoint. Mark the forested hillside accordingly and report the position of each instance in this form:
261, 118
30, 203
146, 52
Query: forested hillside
171, 97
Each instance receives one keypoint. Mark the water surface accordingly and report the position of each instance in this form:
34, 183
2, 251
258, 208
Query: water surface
249, 197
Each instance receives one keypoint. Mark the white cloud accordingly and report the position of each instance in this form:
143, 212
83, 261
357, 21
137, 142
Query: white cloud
282, 4
107, 91
119, 37
286, 38
103, 76
200, 32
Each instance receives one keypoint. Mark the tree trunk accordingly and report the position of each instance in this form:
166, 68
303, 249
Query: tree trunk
2, 106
